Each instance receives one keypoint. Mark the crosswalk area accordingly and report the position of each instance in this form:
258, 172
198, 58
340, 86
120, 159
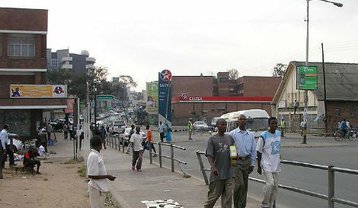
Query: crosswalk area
162, 204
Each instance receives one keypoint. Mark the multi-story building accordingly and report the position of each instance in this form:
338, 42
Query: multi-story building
205, 97
25, 96
63, 59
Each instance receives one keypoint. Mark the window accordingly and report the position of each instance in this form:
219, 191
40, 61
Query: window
0, 45
23, 46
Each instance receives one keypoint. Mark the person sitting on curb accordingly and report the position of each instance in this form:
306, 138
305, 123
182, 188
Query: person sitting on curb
30, 161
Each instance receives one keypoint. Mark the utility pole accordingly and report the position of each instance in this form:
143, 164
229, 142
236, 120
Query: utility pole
324, 93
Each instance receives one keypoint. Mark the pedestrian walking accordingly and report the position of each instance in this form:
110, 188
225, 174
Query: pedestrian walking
103, 136
97, 174
49, 132
131, 132
161, 130
221, 176
80, 135
190, 128
282, 126
137, 149
246, 159
168, 135
149, 136
268, 158
43, 138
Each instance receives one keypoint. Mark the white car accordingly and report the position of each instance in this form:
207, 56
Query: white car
118, 127
200, 125
126, 138
18, 144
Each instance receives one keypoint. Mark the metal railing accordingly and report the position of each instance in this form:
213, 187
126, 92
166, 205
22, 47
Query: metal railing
330, 196
117, 142
171, 156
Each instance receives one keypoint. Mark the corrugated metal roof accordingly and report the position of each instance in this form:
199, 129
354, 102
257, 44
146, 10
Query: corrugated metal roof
341, 80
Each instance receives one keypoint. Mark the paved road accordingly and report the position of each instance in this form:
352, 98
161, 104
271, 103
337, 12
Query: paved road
318, 150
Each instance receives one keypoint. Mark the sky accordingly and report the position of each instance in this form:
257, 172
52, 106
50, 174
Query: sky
140, 38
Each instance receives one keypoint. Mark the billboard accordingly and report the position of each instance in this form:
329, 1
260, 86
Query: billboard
37, 91
152, 97
165, 96
307, 78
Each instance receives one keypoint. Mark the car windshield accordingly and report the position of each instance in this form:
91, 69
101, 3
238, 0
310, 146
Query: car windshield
200, 122
119, 123
257, 124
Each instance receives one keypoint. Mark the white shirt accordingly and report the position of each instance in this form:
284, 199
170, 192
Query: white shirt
269, 145
137, 142
41, 150
4, 137
95, 167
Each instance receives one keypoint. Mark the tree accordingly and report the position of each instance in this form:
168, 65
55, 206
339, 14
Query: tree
233, 74
279, 70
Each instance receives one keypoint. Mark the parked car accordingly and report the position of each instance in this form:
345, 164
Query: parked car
200, 125
126, 138
17, 142
213, 123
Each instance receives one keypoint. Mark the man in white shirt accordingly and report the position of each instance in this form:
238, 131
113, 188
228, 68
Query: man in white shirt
137, 157
6, 149
97, 173
268, 149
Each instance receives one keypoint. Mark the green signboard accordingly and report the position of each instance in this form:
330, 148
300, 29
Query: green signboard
307, 78
105, 97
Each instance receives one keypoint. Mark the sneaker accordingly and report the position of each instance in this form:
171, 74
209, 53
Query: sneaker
155, 154
139, 170
133, 168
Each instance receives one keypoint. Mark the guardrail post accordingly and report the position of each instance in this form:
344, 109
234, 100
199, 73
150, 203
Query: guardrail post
330, 186
202, 167
122, 140
150, 153
172, 156
115, 143
160, 154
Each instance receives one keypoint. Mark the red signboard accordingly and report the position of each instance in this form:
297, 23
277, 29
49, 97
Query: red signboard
185, 98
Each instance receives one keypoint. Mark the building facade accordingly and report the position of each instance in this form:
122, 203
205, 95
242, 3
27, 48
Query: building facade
337, 97
23, 36
205, 97
63, 59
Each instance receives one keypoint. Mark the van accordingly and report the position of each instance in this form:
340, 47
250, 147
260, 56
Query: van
257, 120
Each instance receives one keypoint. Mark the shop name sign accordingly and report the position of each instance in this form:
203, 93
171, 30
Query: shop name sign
307, 78
185, 97
18, 91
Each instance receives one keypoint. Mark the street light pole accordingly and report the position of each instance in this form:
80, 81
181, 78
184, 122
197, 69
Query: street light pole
305, 113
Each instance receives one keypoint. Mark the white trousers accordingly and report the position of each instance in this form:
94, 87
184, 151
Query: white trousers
96, 197
270, 189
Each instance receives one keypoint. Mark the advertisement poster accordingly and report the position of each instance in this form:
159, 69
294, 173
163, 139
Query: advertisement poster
152, 97
37, 91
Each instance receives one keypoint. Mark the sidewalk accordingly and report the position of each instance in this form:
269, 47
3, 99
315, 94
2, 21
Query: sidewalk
154, 183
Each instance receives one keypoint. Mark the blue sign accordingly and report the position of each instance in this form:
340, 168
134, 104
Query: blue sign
165, 96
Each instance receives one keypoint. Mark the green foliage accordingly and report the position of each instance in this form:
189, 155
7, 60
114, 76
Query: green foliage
279, 70
97, 82
233, 74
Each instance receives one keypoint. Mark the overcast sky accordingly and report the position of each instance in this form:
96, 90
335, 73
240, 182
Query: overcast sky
189, 37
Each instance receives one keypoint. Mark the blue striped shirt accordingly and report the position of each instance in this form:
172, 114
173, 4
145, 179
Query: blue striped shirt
245, 144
